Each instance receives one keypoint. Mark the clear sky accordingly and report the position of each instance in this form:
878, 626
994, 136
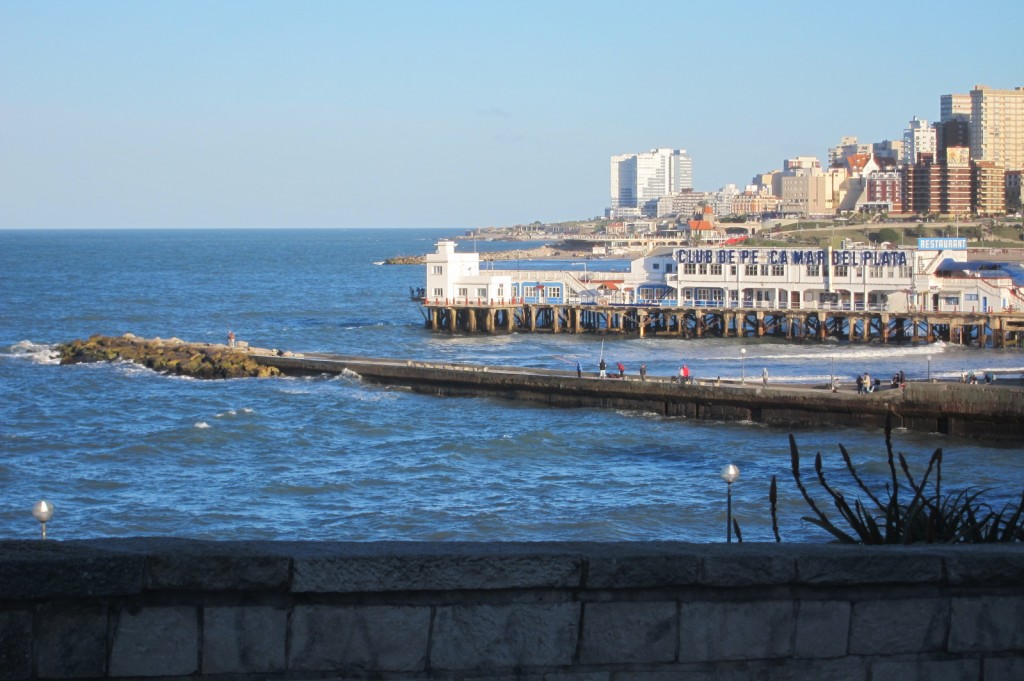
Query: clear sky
436, 113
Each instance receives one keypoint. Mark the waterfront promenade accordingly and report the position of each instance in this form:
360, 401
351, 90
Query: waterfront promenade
990, 412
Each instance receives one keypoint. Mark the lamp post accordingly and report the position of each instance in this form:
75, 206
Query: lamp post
729, 473
743, 365
42, 511
929, 368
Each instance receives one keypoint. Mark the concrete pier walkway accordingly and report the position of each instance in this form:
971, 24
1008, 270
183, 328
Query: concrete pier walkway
988, 412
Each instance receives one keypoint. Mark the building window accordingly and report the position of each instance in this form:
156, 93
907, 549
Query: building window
437, 269
764, 270
716, 270
668, 268
702, 269
906, 272
841, 271
463, 292
656, 266
750, 270
875, 272
481, 292
814, 270
732, 270
438, 292
553, 292
689, 268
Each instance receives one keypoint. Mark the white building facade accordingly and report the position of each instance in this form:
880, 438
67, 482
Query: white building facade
918, 138
640, 180
933, 277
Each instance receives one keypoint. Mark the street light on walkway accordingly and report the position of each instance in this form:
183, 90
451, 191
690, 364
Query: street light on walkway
729, 473
42, 511
929, 368
743, 365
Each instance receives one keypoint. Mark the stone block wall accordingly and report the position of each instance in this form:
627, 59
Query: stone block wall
181, 609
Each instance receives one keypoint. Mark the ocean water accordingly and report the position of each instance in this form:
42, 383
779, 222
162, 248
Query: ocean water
122, 451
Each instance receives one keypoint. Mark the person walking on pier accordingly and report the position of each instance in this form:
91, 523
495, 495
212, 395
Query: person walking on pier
622, 370
579, 370
643, 372
602, 366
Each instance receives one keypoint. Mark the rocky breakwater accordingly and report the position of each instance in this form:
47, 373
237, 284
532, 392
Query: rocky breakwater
172, 356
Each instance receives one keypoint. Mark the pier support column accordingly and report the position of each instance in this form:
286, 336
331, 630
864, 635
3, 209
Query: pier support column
759, 316
489, 321
452, 315
642, 322
883, 327
865, 331
556, 322
471, 312
433, 319
532, 312
823, 326
511, 321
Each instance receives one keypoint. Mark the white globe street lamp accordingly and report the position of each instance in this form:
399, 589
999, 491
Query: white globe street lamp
729, 473
743, 365
43, 511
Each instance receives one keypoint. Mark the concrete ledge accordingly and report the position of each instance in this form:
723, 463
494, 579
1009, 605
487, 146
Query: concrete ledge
183, 609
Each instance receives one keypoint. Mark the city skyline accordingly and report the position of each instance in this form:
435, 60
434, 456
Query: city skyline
447, 114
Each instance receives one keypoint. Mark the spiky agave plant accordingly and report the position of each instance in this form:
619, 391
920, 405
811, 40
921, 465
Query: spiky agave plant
927, 517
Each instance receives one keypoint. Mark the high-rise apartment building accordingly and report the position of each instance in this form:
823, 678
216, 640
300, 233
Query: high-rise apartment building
639, 180
988, 188
954, 107
918, 138
997, 126
623, 187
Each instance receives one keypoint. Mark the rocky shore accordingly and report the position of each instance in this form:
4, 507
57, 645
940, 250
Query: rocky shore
172, 356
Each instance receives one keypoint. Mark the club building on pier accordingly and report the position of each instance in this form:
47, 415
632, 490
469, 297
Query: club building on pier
922, 293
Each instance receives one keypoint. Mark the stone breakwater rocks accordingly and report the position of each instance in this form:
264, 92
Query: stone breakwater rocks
172, 356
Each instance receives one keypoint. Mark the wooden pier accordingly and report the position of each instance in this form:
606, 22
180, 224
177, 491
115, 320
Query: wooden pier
979, 329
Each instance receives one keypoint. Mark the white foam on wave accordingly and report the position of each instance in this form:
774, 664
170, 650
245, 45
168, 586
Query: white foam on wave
39, 353
845, 352
201, 424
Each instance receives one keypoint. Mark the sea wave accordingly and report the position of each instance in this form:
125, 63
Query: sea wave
39, 353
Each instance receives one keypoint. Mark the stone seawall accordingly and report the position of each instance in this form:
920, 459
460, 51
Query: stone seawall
182, 609
981, 411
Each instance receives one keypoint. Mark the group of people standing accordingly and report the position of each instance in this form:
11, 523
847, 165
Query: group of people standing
602, 368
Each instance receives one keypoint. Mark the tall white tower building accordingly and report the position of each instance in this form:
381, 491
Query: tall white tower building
639, 180
918, 138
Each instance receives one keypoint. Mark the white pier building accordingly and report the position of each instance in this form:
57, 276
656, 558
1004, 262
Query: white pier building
736, 290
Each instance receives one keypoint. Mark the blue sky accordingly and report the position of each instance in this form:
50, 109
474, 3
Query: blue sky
446, 114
